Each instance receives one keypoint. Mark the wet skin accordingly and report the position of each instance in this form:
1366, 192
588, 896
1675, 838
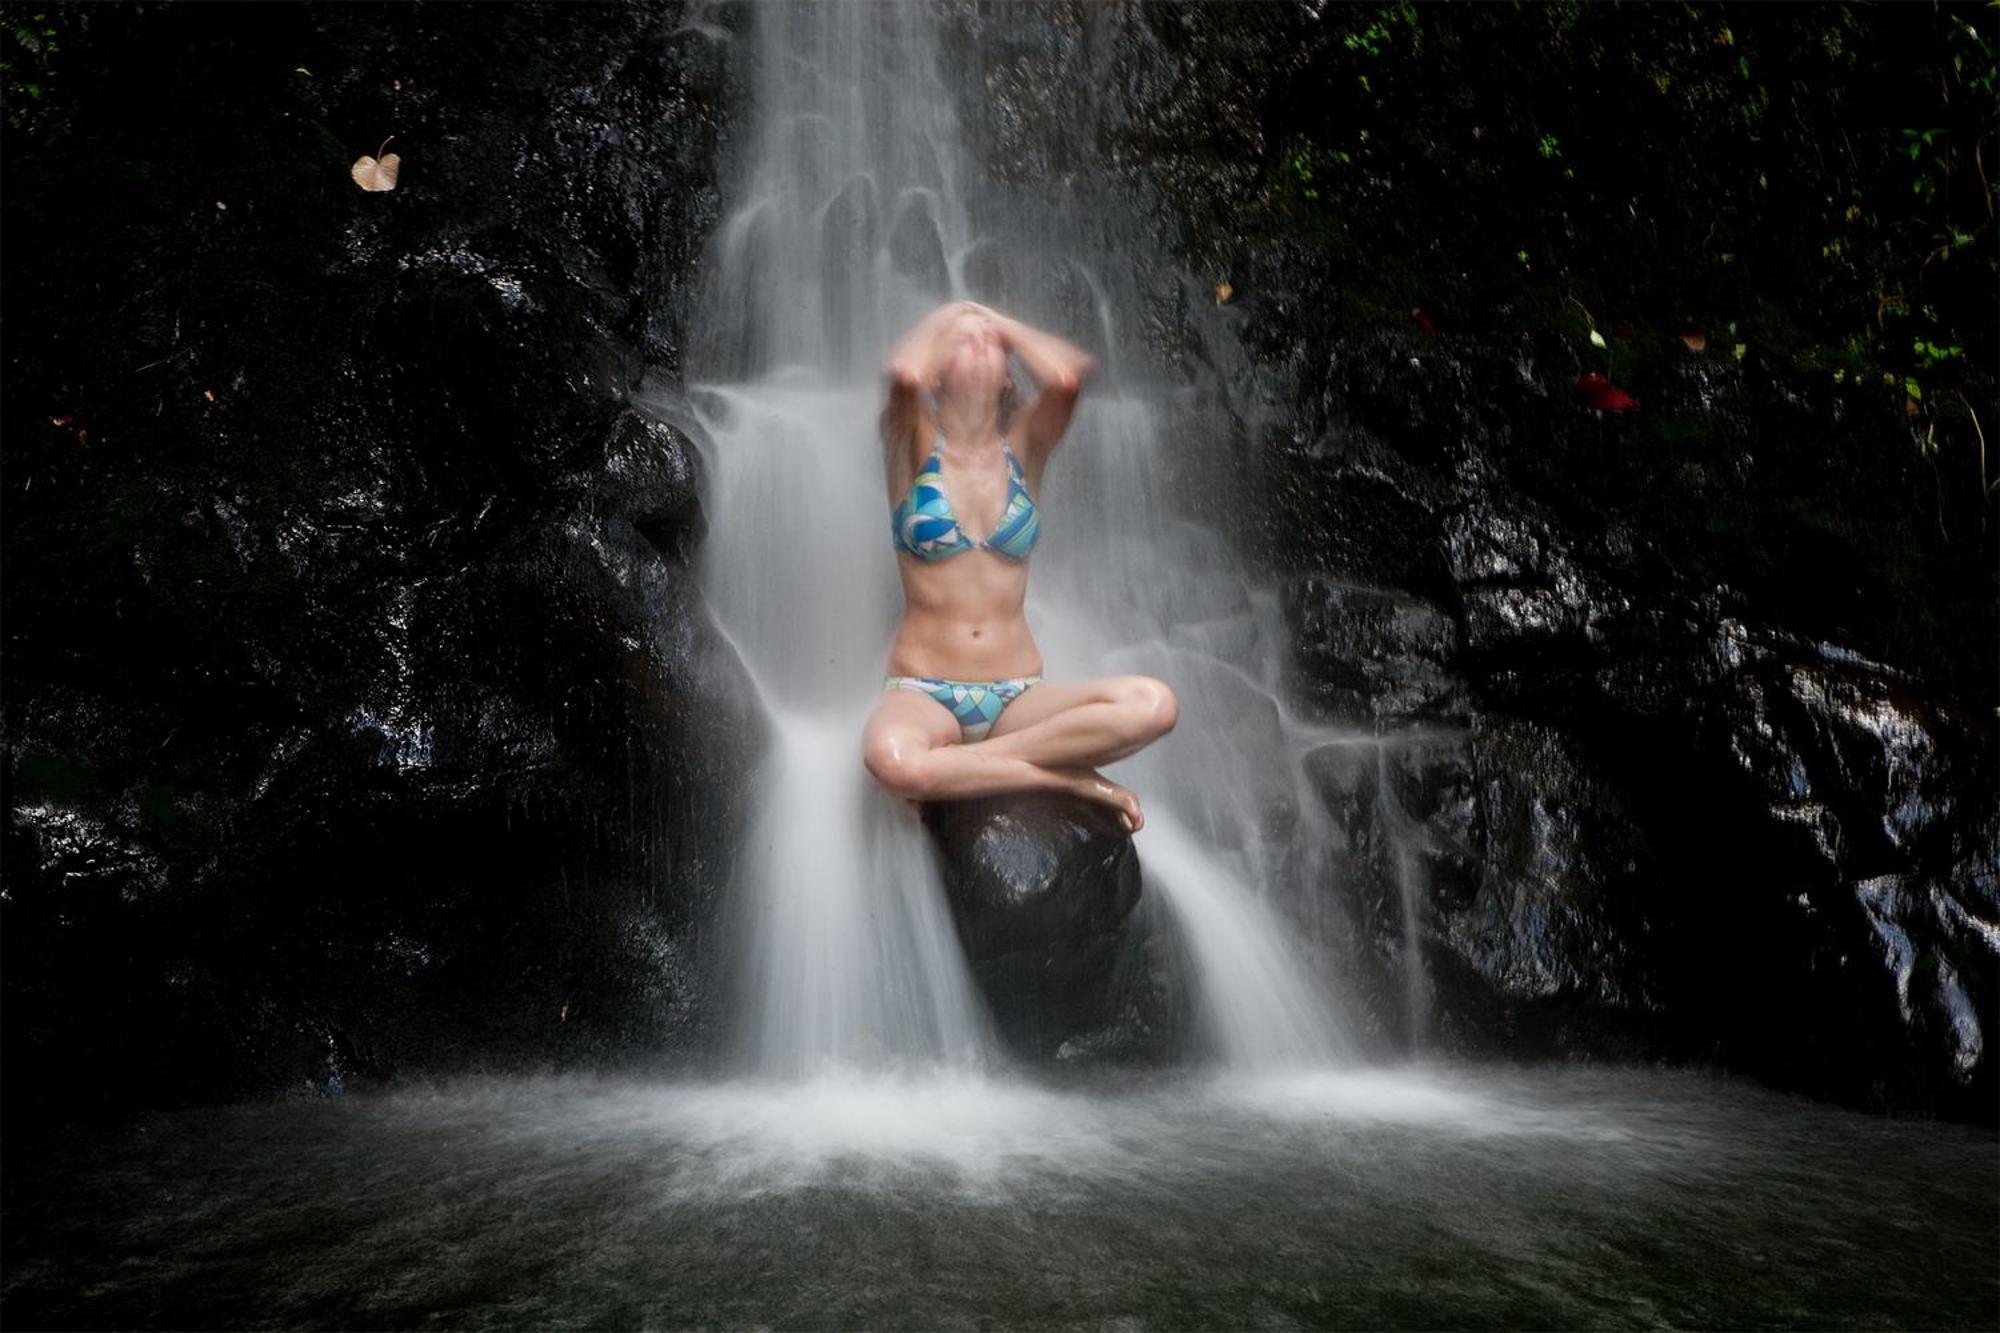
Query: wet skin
964, 616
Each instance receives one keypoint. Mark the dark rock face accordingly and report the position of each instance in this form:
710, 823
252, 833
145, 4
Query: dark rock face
362, 713
1366, 650
1685, 713
1851, 941
1042, 888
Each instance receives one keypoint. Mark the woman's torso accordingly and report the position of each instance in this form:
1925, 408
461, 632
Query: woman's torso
963, 615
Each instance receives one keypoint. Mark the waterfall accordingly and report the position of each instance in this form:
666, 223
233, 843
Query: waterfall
848, 955
1410, 892
856, 212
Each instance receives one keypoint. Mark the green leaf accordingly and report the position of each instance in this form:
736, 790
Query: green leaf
1596, 338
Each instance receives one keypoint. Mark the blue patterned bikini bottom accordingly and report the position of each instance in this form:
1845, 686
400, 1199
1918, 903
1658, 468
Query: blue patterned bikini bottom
977, 704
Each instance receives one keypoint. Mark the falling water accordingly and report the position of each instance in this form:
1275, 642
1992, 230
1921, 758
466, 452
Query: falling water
857, 212
1410, 893
849, 957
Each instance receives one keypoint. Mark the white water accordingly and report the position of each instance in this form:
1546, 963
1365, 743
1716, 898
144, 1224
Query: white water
856, 214
850, 959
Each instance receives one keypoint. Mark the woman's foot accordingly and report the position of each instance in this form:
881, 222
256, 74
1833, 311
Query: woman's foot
1094, 785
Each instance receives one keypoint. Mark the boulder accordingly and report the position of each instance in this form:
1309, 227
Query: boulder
1043, 889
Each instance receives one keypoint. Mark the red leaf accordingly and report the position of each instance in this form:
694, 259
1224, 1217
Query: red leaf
1602, 395
1424, 322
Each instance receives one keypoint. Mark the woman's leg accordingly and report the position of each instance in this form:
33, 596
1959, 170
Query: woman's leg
1082, 725
912, 747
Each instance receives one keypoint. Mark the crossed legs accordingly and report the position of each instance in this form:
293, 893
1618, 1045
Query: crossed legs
1051, 738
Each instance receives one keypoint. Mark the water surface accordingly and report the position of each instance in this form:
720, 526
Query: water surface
1419, 1196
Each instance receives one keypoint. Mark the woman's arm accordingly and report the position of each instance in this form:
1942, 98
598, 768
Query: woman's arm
912, 364
1059, 368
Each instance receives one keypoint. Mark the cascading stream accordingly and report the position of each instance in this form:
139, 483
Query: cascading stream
858, 211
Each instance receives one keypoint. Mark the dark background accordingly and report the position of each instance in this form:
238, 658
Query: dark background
361, 715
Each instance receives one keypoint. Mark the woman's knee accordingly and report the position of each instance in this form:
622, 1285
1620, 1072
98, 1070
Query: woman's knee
1151, 705
899, 764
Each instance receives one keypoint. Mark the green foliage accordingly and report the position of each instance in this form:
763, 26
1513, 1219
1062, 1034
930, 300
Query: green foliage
1309, 168
29, 47
1375, 40
1679, 169
1301, 160
1924, 146
1932, 353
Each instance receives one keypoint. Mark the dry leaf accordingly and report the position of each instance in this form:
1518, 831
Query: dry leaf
208, 394
1695, 341
376, 174
1223, 291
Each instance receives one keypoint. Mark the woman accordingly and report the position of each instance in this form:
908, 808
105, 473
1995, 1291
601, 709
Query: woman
964, 711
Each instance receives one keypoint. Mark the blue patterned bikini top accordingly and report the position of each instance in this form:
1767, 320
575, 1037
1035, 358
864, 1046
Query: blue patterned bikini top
924, 525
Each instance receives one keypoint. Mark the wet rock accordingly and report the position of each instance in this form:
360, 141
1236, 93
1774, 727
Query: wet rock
360, 701
1519, 586
1339, 505
1042, 888
1549, 901
916, 246
1501, 892
1877, 802
1033, 871
1365, 652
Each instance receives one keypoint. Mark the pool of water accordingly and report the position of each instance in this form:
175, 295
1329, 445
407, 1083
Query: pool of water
1426, 1195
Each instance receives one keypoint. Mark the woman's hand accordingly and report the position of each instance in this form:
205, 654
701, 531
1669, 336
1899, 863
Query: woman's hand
1059, 368
1054, 363
918, 356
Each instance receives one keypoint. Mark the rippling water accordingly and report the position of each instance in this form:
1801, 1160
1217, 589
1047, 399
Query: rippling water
1426, 1195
